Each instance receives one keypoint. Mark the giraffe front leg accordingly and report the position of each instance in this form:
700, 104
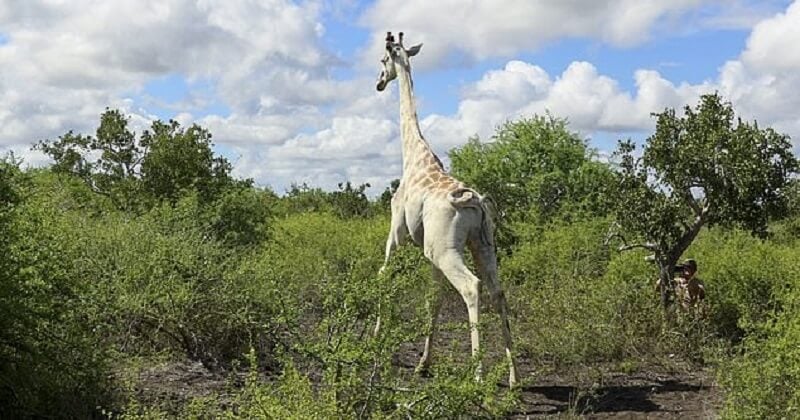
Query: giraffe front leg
434, 304
397, 234
391, 244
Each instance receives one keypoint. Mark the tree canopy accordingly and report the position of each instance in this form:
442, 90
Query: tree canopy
702, 168
535, 169
163, 163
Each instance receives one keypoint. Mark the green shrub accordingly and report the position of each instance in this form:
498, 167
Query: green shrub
171, 285
755, 285
744, 278
569, 304
87, 291
318, 275
50, 362
765, 381
240, 216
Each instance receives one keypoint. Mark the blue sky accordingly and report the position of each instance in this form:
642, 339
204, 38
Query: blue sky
287, 88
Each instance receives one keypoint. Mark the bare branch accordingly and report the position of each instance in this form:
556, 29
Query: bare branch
613, 232
648, 246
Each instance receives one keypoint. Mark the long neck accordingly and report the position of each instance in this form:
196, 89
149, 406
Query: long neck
414, 145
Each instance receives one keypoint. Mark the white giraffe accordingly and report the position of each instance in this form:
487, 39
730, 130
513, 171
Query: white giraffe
440, 214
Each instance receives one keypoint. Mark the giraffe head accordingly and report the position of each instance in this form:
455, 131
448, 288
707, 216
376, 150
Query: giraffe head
395, 55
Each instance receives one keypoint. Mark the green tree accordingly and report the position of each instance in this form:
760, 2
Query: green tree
346, 202
240, 216
120, 153
162, 164
535, 170
112, 171
68, 153
350, 201
385, 200
704, 168
302, 198
179, 160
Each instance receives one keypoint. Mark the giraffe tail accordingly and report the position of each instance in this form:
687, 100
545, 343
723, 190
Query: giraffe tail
487, 222
467, 197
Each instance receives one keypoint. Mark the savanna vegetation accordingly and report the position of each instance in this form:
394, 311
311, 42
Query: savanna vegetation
132, 256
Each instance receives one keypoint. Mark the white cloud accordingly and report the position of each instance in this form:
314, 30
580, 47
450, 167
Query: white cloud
359, 148
590, 101
737, 14
760, 84
490, 28
772, 46
347, 138
64, 62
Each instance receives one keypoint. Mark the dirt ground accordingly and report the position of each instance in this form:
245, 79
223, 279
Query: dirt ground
646, 394
595, 391
600, 391
672, 390
592, 392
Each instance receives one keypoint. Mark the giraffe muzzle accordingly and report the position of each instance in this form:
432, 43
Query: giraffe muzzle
381, 85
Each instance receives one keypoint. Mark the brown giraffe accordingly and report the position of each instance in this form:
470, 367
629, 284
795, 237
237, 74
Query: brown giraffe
440, 214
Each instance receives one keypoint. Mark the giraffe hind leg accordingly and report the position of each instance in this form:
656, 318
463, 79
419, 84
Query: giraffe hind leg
486, 260
452, 265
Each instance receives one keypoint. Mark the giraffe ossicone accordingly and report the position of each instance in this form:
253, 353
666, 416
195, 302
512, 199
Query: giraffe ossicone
440, 214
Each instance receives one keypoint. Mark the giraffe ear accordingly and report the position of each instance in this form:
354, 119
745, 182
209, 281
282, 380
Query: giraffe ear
414, 50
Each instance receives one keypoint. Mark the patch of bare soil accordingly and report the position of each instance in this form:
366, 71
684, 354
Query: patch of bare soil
172, 384
590, 392
650, 393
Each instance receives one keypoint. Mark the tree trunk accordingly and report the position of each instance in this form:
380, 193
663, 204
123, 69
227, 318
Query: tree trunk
666, 289
666, 267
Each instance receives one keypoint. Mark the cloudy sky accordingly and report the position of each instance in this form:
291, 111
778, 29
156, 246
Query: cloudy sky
288, 88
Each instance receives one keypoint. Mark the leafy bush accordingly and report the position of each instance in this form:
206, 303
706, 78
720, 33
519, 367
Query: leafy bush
318, 275
765, 381
50, 362
240, 217
745, 278
574, 301
82, 291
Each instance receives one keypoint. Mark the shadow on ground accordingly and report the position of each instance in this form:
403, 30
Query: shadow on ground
555, 399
